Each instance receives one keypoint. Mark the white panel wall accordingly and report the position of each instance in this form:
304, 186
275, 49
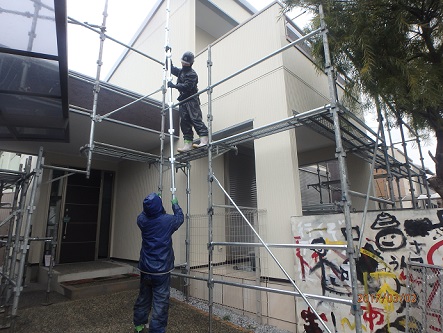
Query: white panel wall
142, 75
259, 94
203, 39
133, 183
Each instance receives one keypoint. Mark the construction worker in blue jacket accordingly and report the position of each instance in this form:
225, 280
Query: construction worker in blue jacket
190, 112
156, 263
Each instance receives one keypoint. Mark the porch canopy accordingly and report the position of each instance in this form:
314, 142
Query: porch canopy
33, 71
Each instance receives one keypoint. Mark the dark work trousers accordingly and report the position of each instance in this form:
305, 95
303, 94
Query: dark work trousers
153, 295
191, 116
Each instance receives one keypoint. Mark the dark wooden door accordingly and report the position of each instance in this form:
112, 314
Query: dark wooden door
80, 218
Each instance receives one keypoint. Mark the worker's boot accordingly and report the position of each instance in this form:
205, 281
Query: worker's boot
141, 329
203, 142
187, 146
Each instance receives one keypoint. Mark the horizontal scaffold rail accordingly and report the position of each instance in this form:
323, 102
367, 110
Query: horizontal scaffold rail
295, 246
120, 152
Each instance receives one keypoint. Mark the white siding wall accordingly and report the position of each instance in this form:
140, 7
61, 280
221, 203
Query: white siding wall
142, 75
133, 183
259, 94
203, 39
9, 161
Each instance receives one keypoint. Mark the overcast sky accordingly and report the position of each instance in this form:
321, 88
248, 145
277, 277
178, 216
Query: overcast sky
123, 22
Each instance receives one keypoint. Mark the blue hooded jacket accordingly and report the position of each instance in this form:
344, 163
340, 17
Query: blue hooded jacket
157, 227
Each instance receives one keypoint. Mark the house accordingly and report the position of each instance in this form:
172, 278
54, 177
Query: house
263, 174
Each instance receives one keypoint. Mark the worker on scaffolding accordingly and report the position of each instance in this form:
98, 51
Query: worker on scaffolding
190, 112
156, 263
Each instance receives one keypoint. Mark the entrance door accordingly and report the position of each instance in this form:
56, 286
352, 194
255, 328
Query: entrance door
79, 225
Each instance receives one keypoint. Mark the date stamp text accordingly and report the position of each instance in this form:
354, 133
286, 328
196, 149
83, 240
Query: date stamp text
386, 298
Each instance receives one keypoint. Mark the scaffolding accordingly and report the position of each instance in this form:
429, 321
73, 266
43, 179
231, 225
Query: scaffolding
424, 299
18, 238
350, 134
333, 120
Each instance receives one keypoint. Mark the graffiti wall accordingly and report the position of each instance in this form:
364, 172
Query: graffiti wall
389, 240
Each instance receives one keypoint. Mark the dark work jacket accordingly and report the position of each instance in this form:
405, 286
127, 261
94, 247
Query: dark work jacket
187, 80
157, 227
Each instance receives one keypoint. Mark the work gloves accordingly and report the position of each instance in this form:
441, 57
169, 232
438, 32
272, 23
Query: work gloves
168, 48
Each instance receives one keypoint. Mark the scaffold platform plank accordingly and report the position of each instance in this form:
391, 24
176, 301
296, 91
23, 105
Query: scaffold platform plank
225, 144
201, 152
120, 152
357, 137
10, 177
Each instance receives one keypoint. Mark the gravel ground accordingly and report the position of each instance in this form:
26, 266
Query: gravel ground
226, 314
113, 313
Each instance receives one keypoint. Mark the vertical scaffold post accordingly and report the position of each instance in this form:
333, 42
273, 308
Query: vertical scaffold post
408, 165
391, 145
385, 153
27, 232
96, 90
162, 133
423, 171
423, 168
14, 244
210, 203
188, 228
169, 93
341, 154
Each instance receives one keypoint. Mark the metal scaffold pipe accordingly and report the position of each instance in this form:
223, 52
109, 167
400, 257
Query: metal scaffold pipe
370, 180
96, 90
27, 232
341, 154
162, 134
423, 168
210, 196
129, 104
385, 153
169, 98
408, 165
88, 26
